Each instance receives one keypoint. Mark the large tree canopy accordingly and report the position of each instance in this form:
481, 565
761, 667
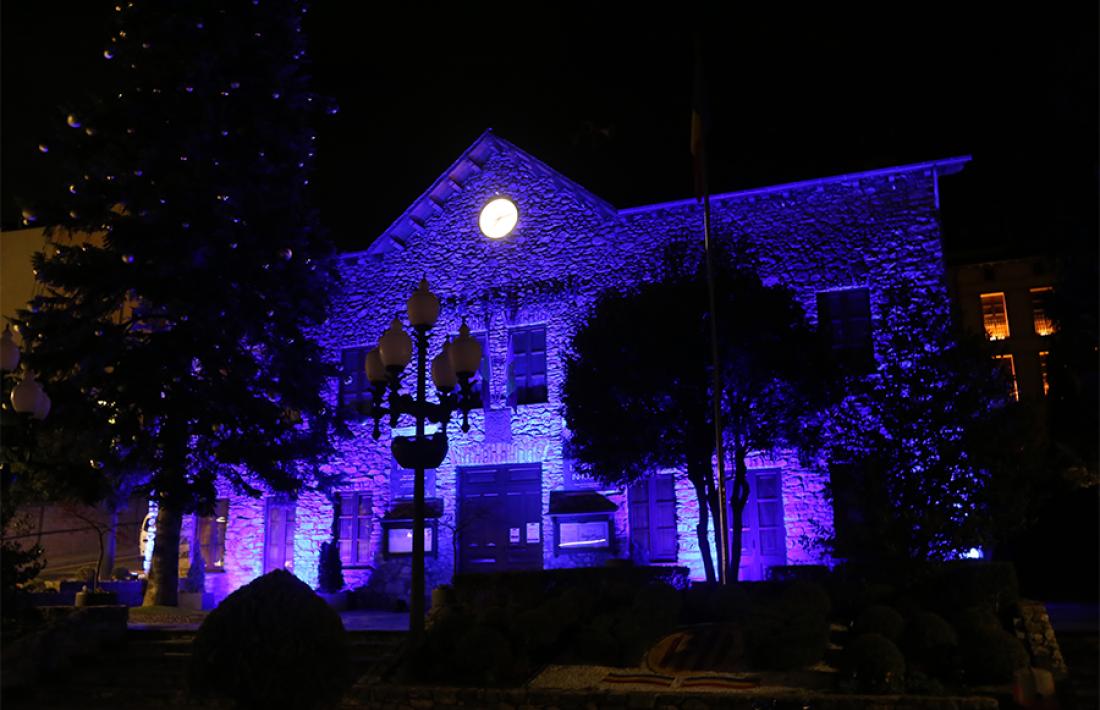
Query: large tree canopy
937, 456
183, 337
637, 389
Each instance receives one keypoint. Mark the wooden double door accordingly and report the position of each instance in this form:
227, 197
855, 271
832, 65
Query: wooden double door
500, 518
764, 536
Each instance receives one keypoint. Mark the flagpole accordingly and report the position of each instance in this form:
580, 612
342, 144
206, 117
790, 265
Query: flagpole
716, 386
698, 146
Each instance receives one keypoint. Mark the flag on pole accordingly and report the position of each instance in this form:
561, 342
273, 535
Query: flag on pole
700, 120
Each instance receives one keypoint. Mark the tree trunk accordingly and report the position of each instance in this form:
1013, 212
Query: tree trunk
164, 571
698, 475
738, 497
107, 567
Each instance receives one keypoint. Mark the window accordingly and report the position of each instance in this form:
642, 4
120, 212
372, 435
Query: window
1040, 310
211, 536
994, 316
844, 319
527, 366
590, 532
354, 387
653, 519
1044, 371
355, 528
1009, 366
399, 538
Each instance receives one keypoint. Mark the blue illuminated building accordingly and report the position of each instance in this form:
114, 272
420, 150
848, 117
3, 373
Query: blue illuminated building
506, 497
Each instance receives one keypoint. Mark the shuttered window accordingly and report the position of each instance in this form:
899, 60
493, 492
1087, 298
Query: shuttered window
844, 320
653, 519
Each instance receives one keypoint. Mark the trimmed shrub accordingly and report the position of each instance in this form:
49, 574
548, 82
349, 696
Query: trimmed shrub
795, 573
976, 620
272, 643
330, 569
788, 626
730, 603
880, 619
484, 655
929, 637
873, 664
964, 583
992, 656
658, 599
806, 596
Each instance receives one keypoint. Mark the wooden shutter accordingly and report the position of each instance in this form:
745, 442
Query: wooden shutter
638, 501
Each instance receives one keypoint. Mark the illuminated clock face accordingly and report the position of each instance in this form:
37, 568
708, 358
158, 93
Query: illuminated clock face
498, 218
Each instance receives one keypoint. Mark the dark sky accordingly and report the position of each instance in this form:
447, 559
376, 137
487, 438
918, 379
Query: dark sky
601, 91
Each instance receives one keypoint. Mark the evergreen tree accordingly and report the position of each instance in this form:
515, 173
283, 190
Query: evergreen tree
182, 337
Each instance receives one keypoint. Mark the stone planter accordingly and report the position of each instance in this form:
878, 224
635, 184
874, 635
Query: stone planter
101, 598
195, 601
336, 600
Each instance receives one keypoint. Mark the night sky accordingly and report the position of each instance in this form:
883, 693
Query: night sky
601, 92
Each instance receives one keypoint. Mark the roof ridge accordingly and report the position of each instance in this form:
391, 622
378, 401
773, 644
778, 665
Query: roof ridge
952, 165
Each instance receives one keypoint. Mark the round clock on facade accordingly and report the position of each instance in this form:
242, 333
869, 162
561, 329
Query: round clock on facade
498, 218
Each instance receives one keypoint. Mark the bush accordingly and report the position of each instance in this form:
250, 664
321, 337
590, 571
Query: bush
976, 620
873, 664
330, 569
795, 573
273, 642
806, 596
787, 624
992, 656
529, 588
964, 583
121, 574
929, 638
880, 619
729, 603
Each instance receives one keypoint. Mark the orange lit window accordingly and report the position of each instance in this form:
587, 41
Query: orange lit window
1040, 310
994, 316
1006, 362
1043, 358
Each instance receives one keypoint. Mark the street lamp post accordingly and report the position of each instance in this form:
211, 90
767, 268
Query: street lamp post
455, 365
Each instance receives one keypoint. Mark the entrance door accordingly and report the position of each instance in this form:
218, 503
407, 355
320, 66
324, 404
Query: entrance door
279, 535
764, 537
500, 518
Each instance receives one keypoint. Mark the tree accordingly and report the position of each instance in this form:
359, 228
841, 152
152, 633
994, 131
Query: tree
637, 385
185, 337
940, 459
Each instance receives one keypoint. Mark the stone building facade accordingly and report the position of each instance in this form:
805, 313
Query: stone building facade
506, 496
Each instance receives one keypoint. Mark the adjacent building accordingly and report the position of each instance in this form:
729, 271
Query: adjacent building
1009, 301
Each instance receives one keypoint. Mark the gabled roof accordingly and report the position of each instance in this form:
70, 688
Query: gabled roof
455, 178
